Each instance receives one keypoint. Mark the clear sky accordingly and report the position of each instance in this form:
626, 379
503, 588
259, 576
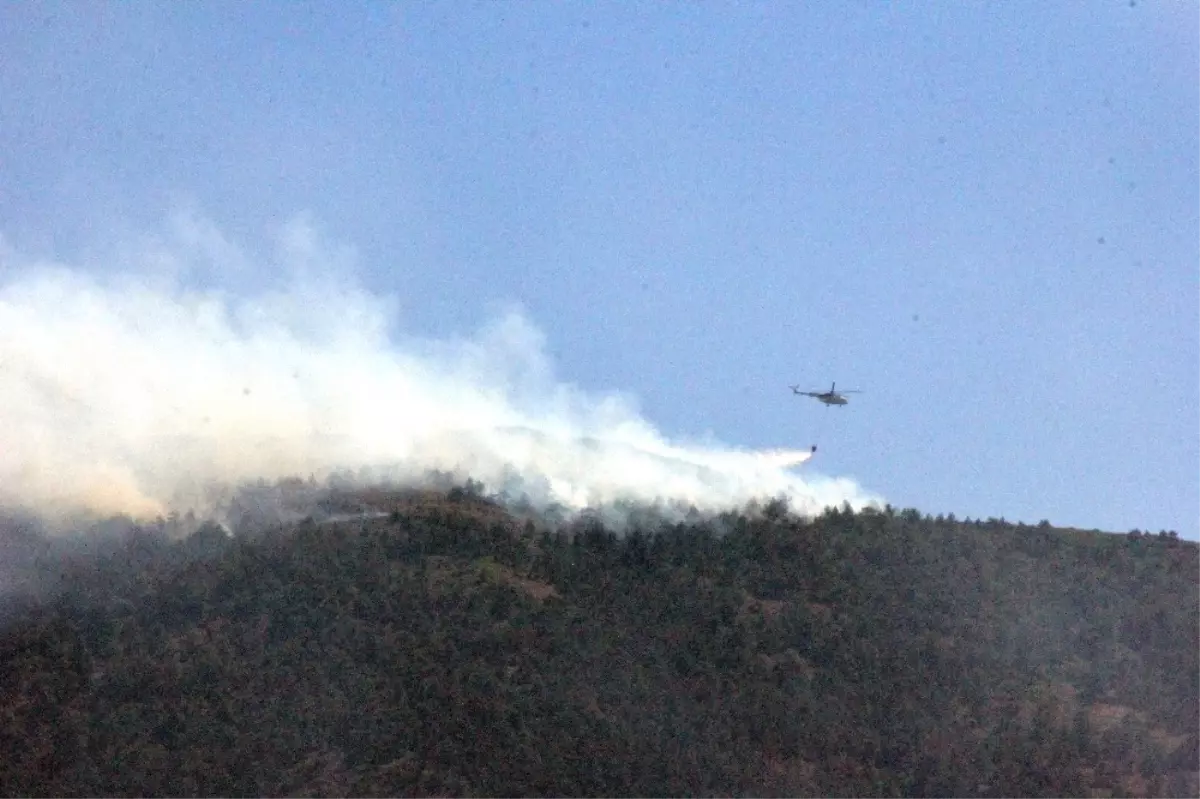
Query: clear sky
983, 215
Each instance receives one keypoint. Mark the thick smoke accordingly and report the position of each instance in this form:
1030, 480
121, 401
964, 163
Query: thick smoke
139, 385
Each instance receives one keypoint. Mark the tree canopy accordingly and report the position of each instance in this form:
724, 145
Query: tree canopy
456, 647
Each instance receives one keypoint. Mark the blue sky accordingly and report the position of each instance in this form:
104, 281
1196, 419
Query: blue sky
984, 216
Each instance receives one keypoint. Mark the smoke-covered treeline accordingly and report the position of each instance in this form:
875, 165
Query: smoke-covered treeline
450, 646
161, 378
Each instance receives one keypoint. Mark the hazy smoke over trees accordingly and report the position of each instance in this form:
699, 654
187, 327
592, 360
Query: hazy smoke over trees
158, 379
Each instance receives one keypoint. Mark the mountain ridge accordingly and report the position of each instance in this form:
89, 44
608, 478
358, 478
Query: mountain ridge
447, 643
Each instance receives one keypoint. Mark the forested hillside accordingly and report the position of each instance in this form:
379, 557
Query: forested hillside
448, 647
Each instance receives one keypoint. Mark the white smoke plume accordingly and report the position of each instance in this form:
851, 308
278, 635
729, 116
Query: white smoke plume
137, 386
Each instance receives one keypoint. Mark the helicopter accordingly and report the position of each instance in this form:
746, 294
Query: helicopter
830, 397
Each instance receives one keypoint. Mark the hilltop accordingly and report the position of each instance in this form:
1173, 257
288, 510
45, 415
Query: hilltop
446, 644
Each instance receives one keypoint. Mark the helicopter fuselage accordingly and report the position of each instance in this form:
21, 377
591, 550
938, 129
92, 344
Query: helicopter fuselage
831, 399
